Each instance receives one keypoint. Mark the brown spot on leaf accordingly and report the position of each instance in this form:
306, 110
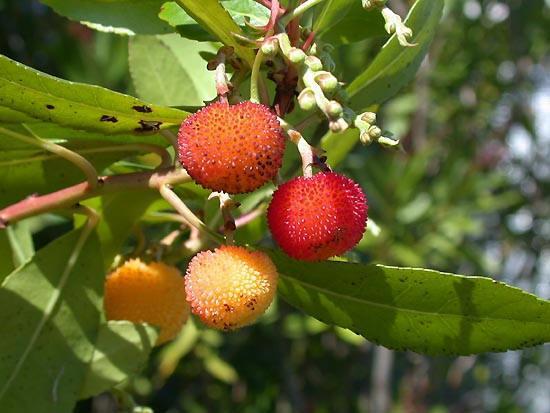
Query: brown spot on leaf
50, 107
148, 126
108, 118
142, 109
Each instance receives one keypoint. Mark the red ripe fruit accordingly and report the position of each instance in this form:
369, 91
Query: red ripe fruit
232, 148
318, 217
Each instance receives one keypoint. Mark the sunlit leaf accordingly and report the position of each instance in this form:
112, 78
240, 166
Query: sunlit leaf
415, 309
395, 65
49, 309
79, 105
169, 70
118, 16
217, 20
121, 351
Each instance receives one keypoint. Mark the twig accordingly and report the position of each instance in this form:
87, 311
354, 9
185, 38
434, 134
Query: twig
79, 161
165, 157
67, 197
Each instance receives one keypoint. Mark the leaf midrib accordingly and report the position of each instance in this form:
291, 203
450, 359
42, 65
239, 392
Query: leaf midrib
404, 309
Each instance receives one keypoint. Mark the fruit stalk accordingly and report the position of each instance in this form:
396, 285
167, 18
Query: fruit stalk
175, 201
227, 204
222, 86
304, 148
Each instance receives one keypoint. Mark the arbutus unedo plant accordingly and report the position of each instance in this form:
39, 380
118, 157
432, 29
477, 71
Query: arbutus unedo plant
225, 159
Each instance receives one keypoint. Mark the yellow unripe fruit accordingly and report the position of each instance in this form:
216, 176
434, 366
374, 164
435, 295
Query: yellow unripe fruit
231, 286
151, 293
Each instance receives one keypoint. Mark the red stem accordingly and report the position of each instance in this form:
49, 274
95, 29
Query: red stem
266, 3
67, 197
275, 10
249, 217
308, 42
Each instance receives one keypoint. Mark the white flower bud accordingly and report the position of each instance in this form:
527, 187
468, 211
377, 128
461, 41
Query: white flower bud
306, 99
314, 63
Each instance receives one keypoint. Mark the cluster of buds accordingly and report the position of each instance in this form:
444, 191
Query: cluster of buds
318, 87
369, 132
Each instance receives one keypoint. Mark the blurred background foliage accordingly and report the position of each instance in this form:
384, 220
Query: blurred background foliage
469, 194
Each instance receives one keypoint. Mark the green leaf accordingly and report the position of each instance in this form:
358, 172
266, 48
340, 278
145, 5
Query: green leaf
214, 18
174, 351
332, 12
6, 263
345, 21
77, 105
61, 134
338, 145
20, 239
415, 309
119, 213
121, 350
8, 115
393, 68
216, 366
395, 65
119, 16
169, 70
21, 174
176, 17
238, 9
49, 310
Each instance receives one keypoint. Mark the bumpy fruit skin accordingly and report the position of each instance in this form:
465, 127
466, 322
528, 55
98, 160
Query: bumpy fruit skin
231, 148
317, 217
231, 286
147, 293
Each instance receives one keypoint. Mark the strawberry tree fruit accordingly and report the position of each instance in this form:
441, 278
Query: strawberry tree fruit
231, 286
151, 293
232, 148
314, 218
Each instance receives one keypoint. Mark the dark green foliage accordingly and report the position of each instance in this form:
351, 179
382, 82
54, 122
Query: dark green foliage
464, 196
